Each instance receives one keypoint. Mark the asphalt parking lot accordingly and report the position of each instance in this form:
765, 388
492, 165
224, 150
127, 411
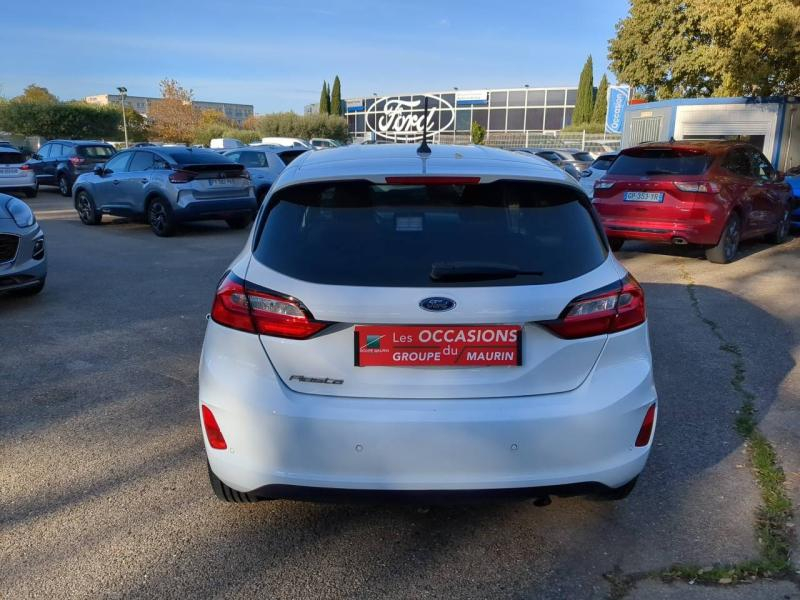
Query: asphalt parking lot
103, 488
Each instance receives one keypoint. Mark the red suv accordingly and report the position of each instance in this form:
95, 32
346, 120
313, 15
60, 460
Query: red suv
712, 194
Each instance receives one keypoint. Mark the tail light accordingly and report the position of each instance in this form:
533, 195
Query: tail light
646, 430
432, 180
603, 185
215, 438
244, 173
77, 160
602, 312
701, 187
256, 311
179, 176
24, 167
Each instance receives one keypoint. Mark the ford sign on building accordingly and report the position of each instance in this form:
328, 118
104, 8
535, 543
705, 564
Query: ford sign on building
511, 110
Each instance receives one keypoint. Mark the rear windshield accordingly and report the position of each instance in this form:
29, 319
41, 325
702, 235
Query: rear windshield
364, 234
582, 156
288, 156
185, 156
11, 158
660, 162
96, 151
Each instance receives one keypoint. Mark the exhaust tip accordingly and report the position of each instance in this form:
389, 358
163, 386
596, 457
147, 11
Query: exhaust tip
679, 241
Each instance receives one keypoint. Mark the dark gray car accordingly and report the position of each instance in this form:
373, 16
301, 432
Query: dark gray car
165, 186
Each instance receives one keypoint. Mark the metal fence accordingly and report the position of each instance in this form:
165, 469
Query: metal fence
590, 142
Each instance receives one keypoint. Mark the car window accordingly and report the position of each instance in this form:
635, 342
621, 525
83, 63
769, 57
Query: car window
198, 156
603, 163
67, 150
319, 232
55, 150
234, 156
10, 158
582, 156
288, 156
253, 159
44, 151
103, 152
551, 156
119, 163
141, 161
660, 161
761, 166
738, 162
160, 164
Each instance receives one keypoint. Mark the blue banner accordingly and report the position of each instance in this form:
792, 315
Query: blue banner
618, 98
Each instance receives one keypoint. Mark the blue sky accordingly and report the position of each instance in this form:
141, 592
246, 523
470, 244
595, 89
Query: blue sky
275, 54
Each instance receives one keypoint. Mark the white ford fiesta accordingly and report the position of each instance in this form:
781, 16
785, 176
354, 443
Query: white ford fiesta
410, 324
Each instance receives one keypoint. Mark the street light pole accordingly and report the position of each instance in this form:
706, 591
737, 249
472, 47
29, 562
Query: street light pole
123, 91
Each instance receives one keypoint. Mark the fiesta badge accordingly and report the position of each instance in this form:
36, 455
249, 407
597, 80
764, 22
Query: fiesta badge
437, 304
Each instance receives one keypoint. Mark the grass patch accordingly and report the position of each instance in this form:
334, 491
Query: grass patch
774, 515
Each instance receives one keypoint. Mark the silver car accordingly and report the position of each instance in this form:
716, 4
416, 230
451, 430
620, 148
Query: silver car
595, 171
166, 186
23, 265
15, 174
265, 163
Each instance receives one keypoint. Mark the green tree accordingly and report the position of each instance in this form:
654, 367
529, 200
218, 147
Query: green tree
70, 120
36, 94
477, 133
336, 97
324, 100
289, 124
600, 101
691, 48
585, 101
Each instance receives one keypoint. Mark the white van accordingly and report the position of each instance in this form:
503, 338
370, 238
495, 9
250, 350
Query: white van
286, 141
225, 144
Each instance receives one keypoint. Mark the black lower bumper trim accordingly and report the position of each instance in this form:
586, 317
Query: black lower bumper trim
356, 496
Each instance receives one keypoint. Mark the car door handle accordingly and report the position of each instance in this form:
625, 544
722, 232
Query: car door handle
115, 181
145, 180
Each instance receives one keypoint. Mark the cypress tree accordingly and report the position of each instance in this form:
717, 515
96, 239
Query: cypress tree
585, 102
336, 97
324, 100
601, 102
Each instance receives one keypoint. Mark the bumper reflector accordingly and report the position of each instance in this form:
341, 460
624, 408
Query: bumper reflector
213, 432
646, 430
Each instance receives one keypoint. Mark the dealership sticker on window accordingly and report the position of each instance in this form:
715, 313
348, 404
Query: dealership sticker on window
437, 346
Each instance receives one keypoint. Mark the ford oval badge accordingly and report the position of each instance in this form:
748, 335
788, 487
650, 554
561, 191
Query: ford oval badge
437, 303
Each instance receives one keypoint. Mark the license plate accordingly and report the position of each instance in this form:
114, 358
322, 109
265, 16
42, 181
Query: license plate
222, 182
438, 346
644, 196
8, 171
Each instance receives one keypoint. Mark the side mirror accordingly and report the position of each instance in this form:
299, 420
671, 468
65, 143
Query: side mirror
35, 156
99, 170
586, 173
779, 176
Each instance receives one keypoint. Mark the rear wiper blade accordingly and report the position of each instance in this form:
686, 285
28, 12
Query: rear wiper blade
476, 271
660, 172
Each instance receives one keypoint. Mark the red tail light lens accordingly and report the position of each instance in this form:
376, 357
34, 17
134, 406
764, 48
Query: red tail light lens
700, 187
259, 312
77, 160
646, 431
213, 432
24, 167
179, 176
603, 313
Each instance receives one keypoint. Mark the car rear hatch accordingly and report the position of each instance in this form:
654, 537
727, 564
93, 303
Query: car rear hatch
87, 157
210, 181
11, 165
382, 270
652, 184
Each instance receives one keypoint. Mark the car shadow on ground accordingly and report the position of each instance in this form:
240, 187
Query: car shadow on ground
694, 499
189, 229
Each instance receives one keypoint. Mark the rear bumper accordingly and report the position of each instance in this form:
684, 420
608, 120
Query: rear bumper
17, 183
693, 232
198, 210
278, 438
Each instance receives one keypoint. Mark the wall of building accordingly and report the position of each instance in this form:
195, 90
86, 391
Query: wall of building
141, 104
